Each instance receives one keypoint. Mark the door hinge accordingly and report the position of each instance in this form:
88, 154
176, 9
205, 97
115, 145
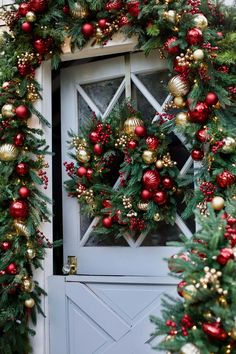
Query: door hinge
72, 261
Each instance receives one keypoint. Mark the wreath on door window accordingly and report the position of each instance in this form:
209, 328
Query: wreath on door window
123, 173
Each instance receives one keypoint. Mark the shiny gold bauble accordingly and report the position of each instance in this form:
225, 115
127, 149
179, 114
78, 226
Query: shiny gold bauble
21, 228
181, 118
198, 54
177, 86
218, 203
143, 206
157, 217
149, 157
29, 303
30, 253
229, 144
27, 284
8, 110
200, 21
130, 124
159, 164
179, 102
189, 348
78, 11
170, 16
83, 155
8, 152
188, 292
30, 16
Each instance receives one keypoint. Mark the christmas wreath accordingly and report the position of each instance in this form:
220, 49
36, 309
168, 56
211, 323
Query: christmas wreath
142, 191
197, 38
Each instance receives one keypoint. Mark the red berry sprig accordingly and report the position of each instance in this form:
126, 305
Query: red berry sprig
218, 145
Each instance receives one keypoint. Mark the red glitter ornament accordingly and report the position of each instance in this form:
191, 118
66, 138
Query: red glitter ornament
19, 209
5, 246
132, 144
180, 287
24, 192
211, 98
22, 169
24, 7
19, 139
160, 197
225, 179
123, 21
12, 269
106, 203
225, 255
113, 5
151, 179
81, 171
146, 194
107, 222
42, 46
38, 5
169, 47
26, 27
89, 174
194, 36
200, 113
214, 330
152, 142
167, 182
22, 112
140, 131
88, 30
97, 149
197, 154
202, 135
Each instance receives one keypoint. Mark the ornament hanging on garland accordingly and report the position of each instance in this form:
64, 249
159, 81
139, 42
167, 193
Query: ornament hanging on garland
225, 179
133, 7
19, 209
131, 124
215, 331
178, 86
200, 113
23, 8
38, 5
88, 30
78, 11
114, 5
8, 152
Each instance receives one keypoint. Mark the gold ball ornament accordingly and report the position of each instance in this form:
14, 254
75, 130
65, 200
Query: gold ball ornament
143, 206
200, 21
188, 292
27, 284
130, 124
30, 16
159, 164
29, 303
78, 11
189, 348
8, 110
21, 228
30, 252
177, 86
83, 155
229, 144
157, 217
181, 118
149, 157
179, 102
170, 16
218, 203
8, 152
198, 54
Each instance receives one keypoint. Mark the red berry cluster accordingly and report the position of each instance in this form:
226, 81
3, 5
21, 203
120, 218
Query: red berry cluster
104, 131
70, 168
173, 325
209, 47
203, 73
44, 178
195, 4
136, 224
187, 323
218, 145
208, 189
230, 231
42, 239
223, 69
232, 90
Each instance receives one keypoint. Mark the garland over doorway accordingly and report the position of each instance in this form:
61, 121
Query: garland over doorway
197, 39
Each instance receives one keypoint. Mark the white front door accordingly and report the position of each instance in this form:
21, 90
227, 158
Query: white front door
97, 87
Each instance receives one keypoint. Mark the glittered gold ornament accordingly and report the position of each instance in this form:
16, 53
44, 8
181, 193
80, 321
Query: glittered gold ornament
178, 86
27, 284
143, 206
83, 155
200, 21
21, 228
181, 118
8, 110
29, 303
130, 124
157, 217
198, 54
229, 144
30, 16
189, 348
218, 203
170, 16
179, 102
79, 11
149, 156
188, 292
159, 164
8, 152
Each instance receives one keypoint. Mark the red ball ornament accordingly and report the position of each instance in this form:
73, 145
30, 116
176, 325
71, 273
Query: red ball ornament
24, 192
197, 154
22, 169
225, 255
187, 321
132, 144
123, 21
11, 269
202, 135
225, 179
151, 179
214, 330
200, 113
22, 112
94, 137
38, 5
24, 69
152, 142
88, 30
146, 194
24, 7
211, 99
97, 149
42, 46
19, 209
113, 5
19, 140
89, 174
167, 182
160, 197
133, 7
169, 47
102, 23
81, 171
194, 36
180, 287
5, 246
107, 222
140, 131
26, 27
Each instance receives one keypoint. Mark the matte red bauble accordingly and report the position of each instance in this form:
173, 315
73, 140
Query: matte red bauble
11, 269
132, 144
89, 174
22, 112
167, 182
214, 330
81, 171
152, 142
160, 197
5, 246
225, 179
22, 169
133, 7
146, 195
194, 36
19, 209
97, 149
197, 154
113, 5
23, 8
38, 5
151, 179
202, 135
19, 140
180, 287
225, 255
211, 98
102, 23
140, 131
107, 222
26, 27
88, 30
200, 113
24, 192
94, 137
169, 47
